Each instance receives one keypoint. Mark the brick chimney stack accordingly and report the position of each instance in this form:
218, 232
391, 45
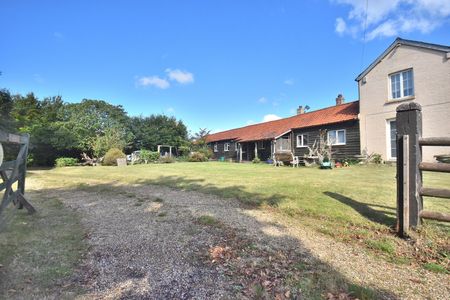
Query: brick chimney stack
340, 99
300, 110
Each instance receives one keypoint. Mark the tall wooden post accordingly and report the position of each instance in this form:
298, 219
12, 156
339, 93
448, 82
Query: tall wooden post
409, 156
240, 152
256, 149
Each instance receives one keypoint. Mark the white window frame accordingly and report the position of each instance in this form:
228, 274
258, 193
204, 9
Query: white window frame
388, 139
301, 140
337, 135
216, 148
402, 95
226, 147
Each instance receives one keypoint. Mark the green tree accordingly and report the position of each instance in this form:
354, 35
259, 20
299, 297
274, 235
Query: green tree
158, 130
6, 105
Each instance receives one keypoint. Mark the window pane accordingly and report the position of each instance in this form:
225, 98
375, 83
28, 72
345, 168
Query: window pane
395, 85
341, 137
408, 83
332, 137
393, 133
305, 140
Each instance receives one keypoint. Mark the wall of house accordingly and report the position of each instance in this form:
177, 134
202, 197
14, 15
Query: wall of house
431, 72
264, 150
349, 150
231, 154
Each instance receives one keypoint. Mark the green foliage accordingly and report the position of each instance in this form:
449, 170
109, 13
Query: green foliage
114, 137
197, 157
433, 267
208, 220
376, 158
184, 150
66, 162
166, 160
157, 130
149, 156
256, 160
111, 157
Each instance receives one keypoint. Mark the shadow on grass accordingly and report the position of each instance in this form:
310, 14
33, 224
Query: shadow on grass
237, 191
365, 210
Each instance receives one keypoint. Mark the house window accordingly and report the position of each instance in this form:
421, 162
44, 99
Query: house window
226, 147
336, 137
402, 84
261, 145
392, 139
215, 147
302, 140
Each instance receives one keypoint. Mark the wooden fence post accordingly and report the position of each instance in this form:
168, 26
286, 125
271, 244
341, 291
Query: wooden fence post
409, 176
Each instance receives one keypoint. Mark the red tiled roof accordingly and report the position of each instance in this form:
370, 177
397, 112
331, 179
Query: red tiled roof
269, 130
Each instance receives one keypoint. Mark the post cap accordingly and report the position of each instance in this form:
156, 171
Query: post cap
409, 106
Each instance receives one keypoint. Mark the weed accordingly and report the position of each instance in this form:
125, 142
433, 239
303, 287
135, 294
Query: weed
433, 267
162, 214
208, 220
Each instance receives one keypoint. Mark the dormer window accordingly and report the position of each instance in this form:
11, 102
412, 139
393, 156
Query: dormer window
402, 84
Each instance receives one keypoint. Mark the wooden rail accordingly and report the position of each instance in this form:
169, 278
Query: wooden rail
410, 190
434, 167
432, 215
438, 193
434, 141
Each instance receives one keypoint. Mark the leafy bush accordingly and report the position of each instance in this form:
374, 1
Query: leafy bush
148, 156
166, 160
376, 158
183, 150
66, 162
256, 160
197, 157
207, 152
112, 155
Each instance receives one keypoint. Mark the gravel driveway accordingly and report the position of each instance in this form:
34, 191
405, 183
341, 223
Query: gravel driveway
148, 242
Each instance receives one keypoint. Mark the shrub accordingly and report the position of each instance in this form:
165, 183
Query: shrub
207, 152
148, 156
256, 160
183, 150
112, 155
166, 160
197, 157
66, 162
376, 158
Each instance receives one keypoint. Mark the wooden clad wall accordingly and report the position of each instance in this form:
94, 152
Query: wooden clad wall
231, 154
349, 150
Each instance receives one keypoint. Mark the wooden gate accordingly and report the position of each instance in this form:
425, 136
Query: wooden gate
410, 188
14, 171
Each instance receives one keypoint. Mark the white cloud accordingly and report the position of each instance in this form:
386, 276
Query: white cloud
180, 76
262, 100
155, 81
387, 18
289, 82
341, 26
270, 117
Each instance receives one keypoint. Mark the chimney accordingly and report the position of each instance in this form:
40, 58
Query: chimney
300, 110
340, 99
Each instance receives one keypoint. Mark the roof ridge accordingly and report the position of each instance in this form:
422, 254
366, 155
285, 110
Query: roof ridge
287, 118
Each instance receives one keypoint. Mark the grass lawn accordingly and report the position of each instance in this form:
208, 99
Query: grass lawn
354, 204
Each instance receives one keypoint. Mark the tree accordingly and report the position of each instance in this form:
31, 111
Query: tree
6, 105
199, 138
157, 130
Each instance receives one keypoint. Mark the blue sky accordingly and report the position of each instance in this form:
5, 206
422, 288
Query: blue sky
215, 64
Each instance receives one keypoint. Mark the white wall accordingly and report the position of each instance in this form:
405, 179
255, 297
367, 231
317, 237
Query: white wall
431, 71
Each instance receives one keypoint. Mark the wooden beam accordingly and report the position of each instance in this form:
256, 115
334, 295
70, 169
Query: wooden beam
23, 202
438, 193
435, 167
432, 215
6, 165
406, 181
435, 141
